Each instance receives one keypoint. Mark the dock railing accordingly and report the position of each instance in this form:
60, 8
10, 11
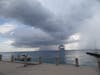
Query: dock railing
57, 60
98, 62
39, 60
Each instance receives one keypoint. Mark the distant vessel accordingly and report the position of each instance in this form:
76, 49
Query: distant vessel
23, 58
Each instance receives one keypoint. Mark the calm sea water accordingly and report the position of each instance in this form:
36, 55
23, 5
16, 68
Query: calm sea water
49, 57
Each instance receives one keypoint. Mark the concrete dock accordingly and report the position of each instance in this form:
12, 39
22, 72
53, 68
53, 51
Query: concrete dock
8, 68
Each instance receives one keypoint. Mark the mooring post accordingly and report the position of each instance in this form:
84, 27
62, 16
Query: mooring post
25, 61
12, 58
76, 62
0, 57
40, 60
57, 60
98, 62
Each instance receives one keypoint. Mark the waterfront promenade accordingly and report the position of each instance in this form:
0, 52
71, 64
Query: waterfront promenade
8, 68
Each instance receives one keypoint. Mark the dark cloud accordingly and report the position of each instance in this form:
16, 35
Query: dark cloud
29, 12
48, 28
32, 37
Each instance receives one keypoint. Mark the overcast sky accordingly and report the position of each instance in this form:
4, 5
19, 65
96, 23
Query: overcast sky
46, 24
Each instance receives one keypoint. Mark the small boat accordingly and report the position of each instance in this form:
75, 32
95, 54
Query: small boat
23, 58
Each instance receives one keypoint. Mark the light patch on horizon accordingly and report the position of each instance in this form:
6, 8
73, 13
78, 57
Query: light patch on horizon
6, 27
26, 49
73, 42
72, 46
5, 46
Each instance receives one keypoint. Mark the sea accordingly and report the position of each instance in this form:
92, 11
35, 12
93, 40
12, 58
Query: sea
49, 57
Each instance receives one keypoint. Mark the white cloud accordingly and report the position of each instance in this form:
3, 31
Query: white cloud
5, 46
5, 28
9, 42
75, 37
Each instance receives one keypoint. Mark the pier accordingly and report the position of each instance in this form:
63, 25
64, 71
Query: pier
97, 55
44, 69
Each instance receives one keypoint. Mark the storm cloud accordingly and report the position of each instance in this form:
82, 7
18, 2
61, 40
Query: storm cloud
43, 25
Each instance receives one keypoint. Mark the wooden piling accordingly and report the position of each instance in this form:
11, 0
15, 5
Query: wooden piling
12, 58
57, 60
40, 60
98, 62
76, 62
25, 61
0, 57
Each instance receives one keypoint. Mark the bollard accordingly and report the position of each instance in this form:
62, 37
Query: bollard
25, 61
98, 65
40, 60
0, 57
12, 58
76, 62
57, 61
